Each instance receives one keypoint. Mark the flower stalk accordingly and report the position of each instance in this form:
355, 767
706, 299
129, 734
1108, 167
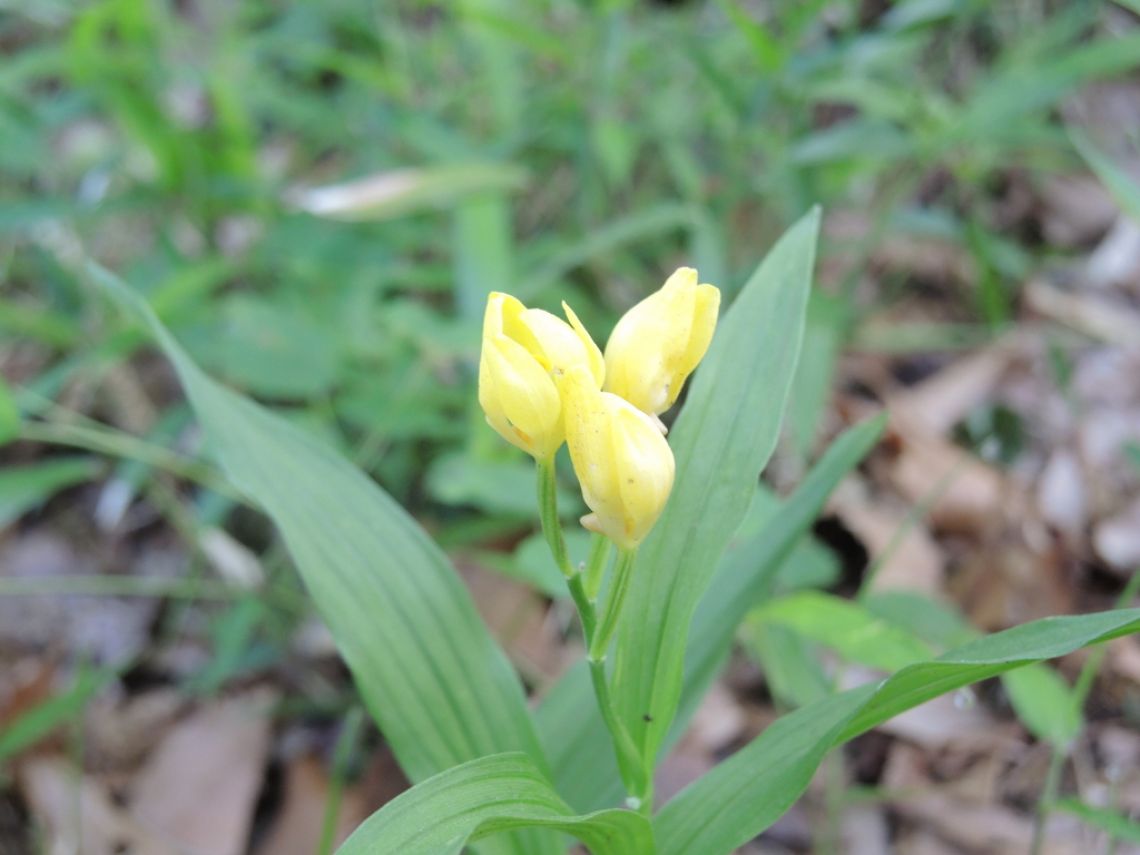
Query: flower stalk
623, 572
629, 760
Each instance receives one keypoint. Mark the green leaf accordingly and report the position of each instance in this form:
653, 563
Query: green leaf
1116, 825
33, 725
439, 687
24, 487
483, 249
9, 414
811, 390
1119, 183
272, 350
1042, 700
576, 739
753, 565
1044, 703
483, 797
856, 633
722, 440
745, 794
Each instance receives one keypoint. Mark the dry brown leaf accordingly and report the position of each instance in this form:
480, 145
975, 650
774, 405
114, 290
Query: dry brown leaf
1117, 540
1061, 496
1075, 210
1116, 260
964, 493
120, 732
1124, 658
1099, 317
299, 823
944, 399
1010, 583
78, 814
107, 629
517, 615
200, 786
863, 830
915, 562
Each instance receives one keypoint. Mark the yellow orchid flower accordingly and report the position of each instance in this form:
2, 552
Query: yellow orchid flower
624, 464
657, 344
523, 350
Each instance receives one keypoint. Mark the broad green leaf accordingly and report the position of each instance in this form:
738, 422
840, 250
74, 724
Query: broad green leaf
930, 620
854, 632
752, 568
826, 320
271, 350
722, 440
483, 797
576, 739
24, 487
439, 687
745, 794
1115, 824
1042, 700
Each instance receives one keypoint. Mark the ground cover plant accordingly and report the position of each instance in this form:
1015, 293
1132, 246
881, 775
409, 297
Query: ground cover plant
253, 430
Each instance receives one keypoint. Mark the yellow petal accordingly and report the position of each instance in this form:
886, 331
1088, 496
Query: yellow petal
623, 463
555, 344
593, 354
657, 344
587, 435
646, 468
519, 398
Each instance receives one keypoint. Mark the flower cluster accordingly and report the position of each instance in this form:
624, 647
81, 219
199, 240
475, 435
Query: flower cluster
543, 381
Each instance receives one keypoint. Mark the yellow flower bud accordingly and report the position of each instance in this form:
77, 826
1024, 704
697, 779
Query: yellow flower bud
657, 344
624, 464
523, 350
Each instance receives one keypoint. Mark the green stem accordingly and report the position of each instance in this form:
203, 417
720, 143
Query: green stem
342, 755
1048, 796
596, 565
629, 761
585, 607
548, 515
614, 603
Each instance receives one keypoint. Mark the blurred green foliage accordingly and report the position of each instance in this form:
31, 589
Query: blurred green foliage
558, 149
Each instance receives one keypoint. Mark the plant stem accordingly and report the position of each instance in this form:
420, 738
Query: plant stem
615, 601
1048, 796
596, 565
629, 761
548, 515
342, 754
